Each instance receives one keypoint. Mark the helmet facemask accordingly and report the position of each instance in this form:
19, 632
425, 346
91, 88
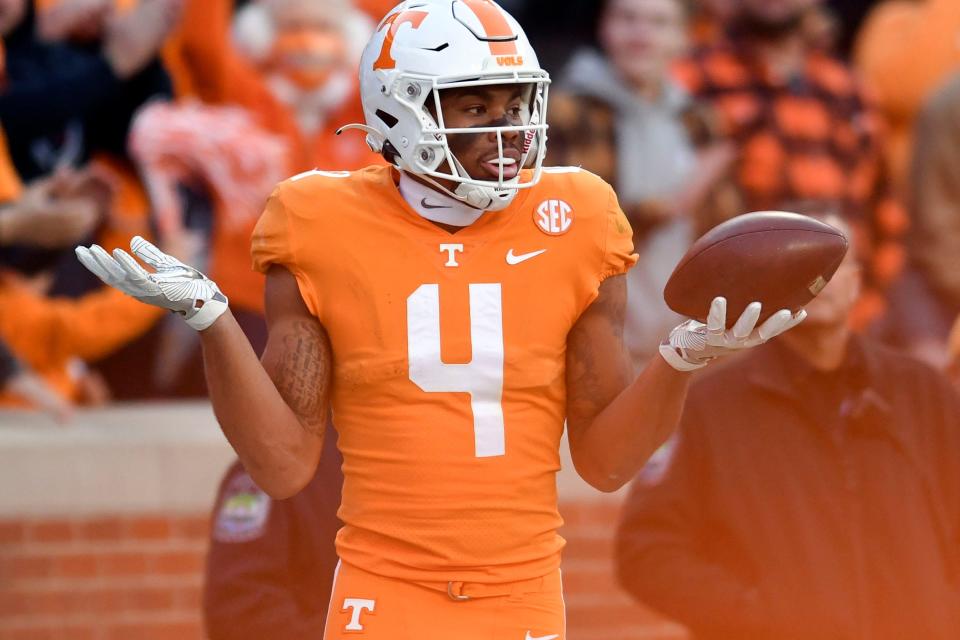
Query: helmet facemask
432, 157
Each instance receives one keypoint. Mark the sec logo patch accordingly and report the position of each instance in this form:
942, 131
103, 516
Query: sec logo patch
553, 217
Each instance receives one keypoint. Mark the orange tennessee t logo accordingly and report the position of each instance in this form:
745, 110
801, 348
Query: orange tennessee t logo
415, 18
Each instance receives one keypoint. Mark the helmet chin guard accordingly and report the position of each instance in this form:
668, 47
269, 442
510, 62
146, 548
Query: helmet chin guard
424, 47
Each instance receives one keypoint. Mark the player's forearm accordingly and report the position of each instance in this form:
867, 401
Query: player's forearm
621, 438
262, 428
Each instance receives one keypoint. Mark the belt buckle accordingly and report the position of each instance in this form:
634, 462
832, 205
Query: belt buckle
455, 592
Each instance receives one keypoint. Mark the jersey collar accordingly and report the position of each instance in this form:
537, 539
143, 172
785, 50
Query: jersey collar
435, 206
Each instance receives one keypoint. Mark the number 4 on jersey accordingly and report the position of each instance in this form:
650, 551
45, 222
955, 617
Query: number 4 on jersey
482, 377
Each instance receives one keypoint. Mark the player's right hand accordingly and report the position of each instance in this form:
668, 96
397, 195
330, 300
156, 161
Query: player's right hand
173, 285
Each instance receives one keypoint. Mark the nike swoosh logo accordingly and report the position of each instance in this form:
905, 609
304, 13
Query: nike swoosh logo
530, 637
425, 205
513, 259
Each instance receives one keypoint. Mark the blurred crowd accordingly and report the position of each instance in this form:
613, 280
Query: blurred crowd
173, 119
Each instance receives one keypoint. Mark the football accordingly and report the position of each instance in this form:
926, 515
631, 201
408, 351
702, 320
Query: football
779, 259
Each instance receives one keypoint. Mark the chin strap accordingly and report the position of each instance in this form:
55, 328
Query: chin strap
479, 198
486, 198
375, 139
470, 195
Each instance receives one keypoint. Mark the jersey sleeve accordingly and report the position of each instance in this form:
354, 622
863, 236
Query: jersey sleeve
618, 254
273, 244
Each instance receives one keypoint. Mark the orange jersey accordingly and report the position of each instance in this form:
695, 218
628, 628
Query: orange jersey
449, 361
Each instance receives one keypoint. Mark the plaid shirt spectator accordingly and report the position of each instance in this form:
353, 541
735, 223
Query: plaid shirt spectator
808, 137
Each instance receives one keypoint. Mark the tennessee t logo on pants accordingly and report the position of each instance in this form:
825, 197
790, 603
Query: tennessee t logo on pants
358, 607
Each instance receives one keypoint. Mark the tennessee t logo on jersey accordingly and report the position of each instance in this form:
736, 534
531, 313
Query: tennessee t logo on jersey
452, 251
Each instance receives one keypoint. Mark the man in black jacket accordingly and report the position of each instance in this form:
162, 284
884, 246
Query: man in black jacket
812, 493
271, 562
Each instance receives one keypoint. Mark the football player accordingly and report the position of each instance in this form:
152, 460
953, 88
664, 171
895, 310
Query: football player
454, 310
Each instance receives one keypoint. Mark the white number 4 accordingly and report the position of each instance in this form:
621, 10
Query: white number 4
482, 377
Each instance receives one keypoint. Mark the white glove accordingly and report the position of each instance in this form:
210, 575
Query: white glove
174, 285
692, 345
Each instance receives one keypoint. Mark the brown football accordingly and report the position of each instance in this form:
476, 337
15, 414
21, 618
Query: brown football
779, 259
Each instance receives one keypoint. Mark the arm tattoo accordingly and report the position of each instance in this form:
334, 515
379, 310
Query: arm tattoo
612, 307
303, 375
597, 366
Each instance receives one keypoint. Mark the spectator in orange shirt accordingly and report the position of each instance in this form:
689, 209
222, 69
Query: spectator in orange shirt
803, 130
50, 213
63, 105
52, 340
66, 107
56, 338
291, 75
905, 51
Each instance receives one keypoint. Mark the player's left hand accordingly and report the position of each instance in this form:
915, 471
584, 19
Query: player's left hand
693, 344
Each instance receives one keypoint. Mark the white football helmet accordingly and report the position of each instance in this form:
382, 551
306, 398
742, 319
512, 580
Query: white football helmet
424, 46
